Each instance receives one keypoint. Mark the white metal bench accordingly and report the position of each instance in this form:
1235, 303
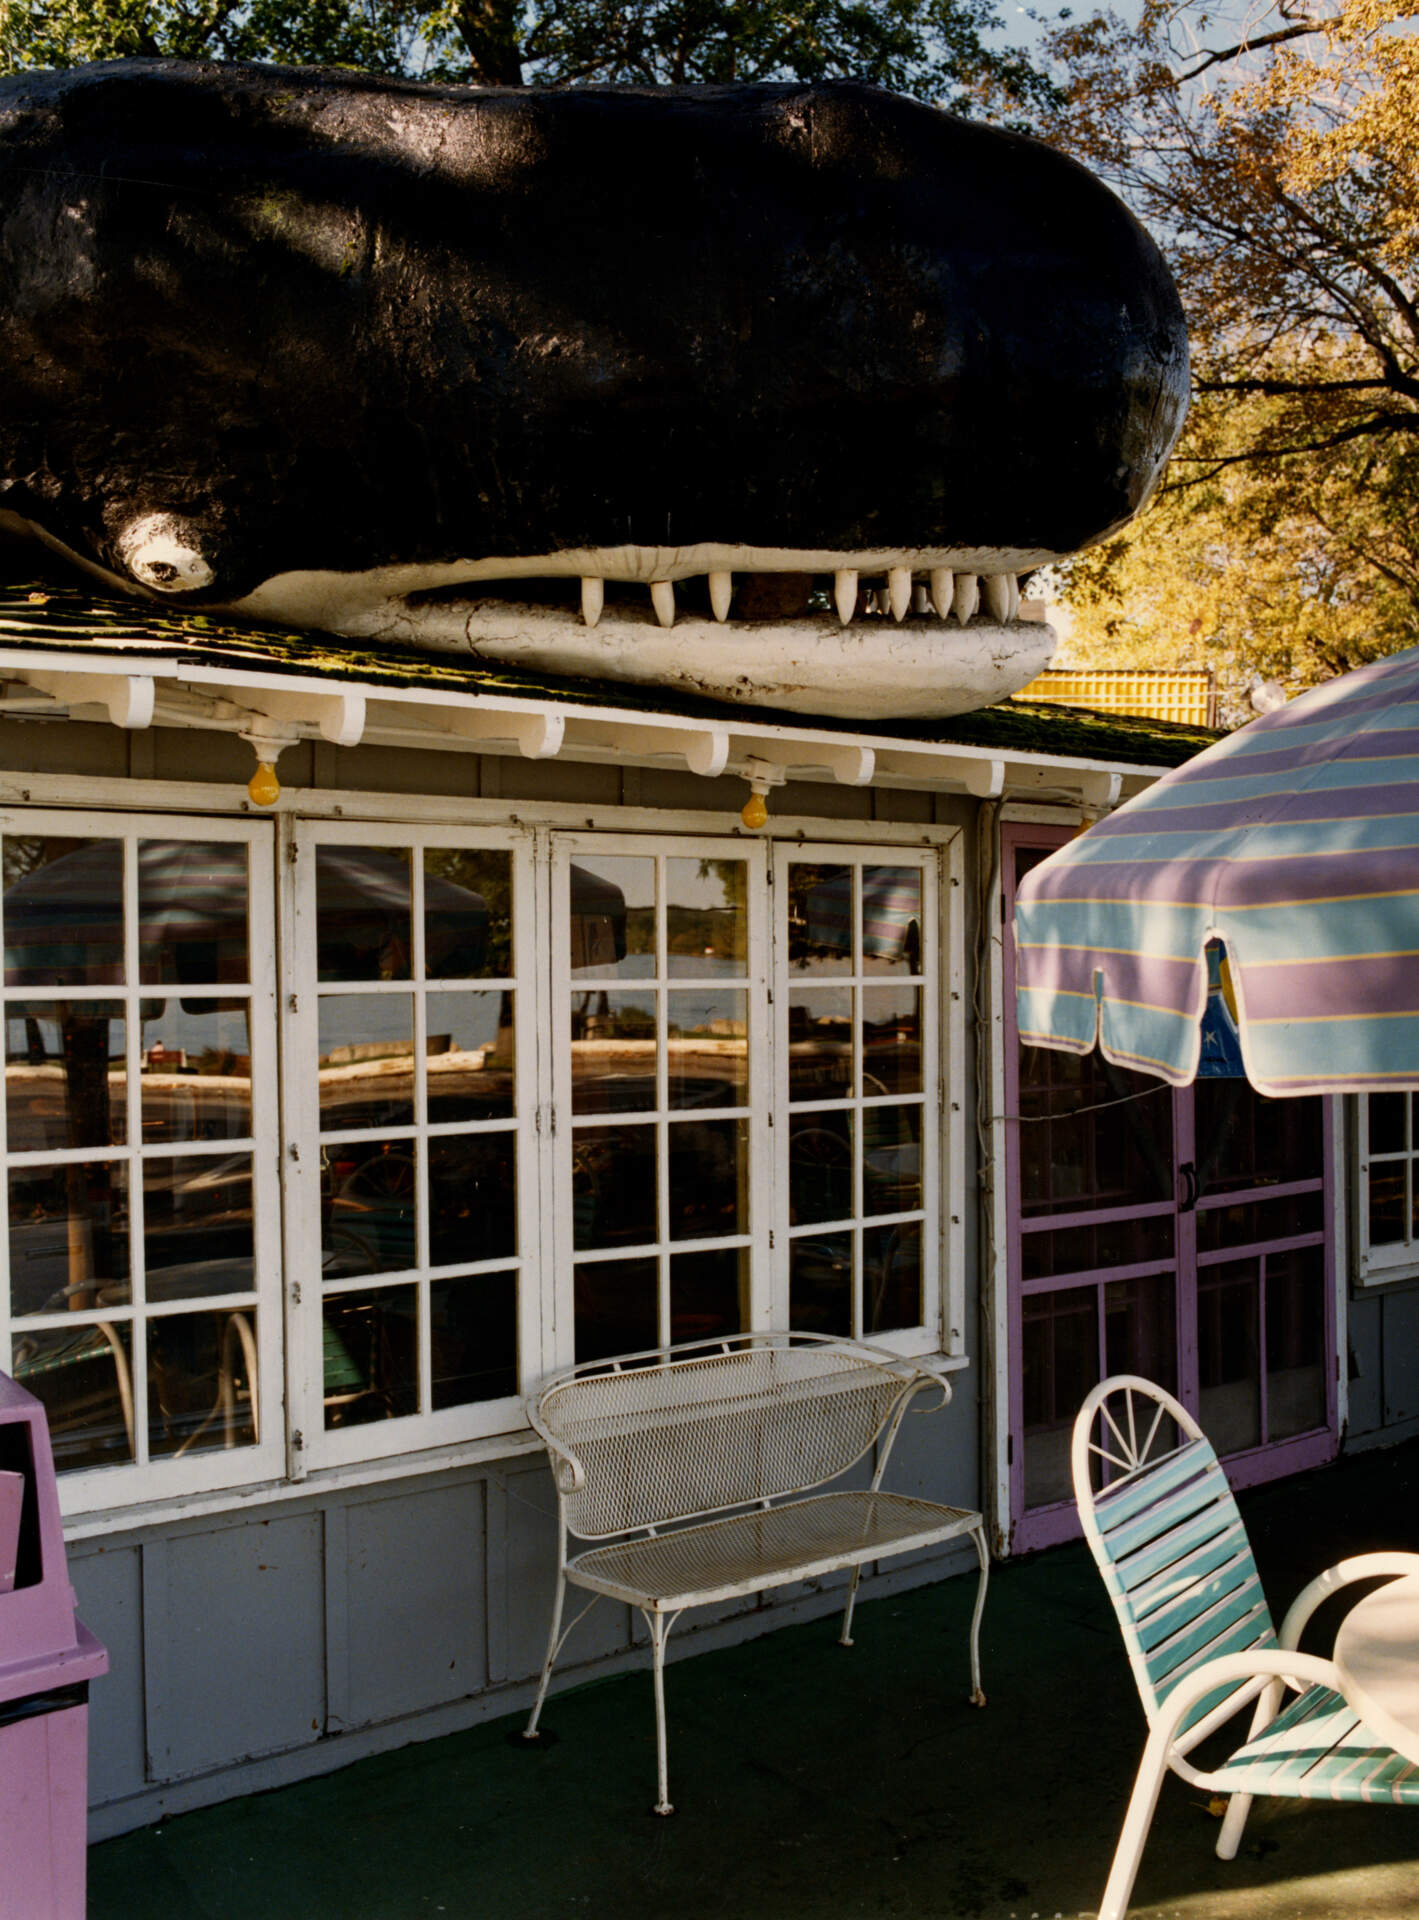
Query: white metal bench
696, 1466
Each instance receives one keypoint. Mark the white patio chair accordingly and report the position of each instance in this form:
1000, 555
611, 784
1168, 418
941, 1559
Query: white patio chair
1168, 1539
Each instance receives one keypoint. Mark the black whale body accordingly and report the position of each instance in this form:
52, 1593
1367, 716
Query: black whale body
336, 322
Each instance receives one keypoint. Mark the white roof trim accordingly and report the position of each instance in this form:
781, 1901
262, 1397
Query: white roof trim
289, 706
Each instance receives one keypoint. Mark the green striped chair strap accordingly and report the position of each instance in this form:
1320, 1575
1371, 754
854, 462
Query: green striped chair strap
1179, 1567
1319, 1750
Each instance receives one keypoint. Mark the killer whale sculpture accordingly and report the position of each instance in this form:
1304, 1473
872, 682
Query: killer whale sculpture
771, 391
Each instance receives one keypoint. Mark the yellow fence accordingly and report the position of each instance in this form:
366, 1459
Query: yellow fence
1154, 693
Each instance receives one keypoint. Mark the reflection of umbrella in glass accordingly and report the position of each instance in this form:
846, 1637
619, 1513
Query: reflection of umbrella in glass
891, 912
64, 921
1295, 843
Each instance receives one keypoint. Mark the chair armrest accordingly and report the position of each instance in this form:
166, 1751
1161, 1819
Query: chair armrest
1360, 1566
1267, 1664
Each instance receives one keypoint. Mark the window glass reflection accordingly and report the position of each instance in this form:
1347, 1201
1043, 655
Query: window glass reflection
617, 1307
68, 1238
201, 1382
891, 1278
467, 913
472, 1197
709, 1293
820, 1283
820, 1043
706, 917
83, 1378
891, 1159
707, 1049
368, 1201
197, 1226
708, 1184
819, 1167
613, 1186
366, 1067
196, 1070
1059, 1364
613, 1050
820, 917
470, 1057
612, 917
65, 1076
891, 1040
371, 1354
363, 913
63, 911
891, 919
472, 1338
192, 912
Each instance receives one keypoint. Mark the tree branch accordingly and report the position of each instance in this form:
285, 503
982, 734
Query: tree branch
1214, 58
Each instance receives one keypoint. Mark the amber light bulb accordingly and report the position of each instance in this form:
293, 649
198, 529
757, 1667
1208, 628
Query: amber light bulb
263, 788
755, 812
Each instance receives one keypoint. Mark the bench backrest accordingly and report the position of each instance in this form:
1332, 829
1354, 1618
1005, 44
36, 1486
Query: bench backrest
681, 1436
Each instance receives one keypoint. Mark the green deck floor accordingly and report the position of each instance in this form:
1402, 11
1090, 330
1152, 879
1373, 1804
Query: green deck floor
813, 1781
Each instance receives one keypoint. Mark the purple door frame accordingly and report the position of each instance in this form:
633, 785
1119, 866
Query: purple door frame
1044, 1525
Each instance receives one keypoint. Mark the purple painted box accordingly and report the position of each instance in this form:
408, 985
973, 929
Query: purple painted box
47, 1659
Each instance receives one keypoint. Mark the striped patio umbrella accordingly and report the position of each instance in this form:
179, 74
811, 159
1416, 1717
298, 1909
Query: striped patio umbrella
1294, 843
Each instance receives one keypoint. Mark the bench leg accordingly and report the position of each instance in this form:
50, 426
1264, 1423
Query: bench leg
554, 1647
983, 1555
660, 1627
845, 1637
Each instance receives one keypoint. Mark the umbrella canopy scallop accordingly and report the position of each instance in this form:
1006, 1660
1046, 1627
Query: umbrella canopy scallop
1295, 844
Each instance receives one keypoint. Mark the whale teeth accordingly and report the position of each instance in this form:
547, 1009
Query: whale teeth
966, 597
995, 591
899, 590
921, 599
845, 593
662, 598
1012, 611
721, 589
942, 587
593, 598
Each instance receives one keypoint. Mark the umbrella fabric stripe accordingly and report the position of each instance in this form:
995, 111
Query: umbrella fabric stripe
1305, 813
1308, 989
1165, 1042
1330, 1055
1066, 1019
1335, 930
1385, 825
1146, 979
1259, 788
1169, 929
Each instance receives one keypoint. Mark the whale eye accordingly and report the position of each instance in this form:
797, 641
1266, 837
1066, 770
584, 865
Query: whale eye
161, 552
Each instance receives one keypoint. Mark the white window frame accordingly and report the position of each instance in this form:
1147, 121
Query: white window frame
313, 1445
1383, 1264
566, 848
145, 1479
942, 1067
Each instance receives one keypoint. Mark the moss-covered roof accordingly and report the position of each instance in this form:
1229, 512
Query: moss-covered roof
37, 614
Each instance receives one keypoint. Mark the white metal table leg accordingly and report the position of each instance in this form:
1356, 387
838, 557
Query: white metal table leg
845, 1637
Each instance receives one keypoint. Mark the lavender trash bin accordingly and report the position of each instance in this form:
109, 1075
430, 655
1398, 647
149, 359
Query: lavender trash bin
47, 1659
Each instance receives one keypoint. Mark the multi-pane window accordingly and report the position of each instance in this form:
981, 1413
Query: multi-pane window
139, 1124
336, 1166
858, 1089
659, 956
415, 1075
1388, 1197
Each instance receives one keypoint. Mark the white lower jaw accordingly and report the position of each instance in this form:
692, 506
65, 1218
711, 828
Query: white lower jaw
871, 670
877, 668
